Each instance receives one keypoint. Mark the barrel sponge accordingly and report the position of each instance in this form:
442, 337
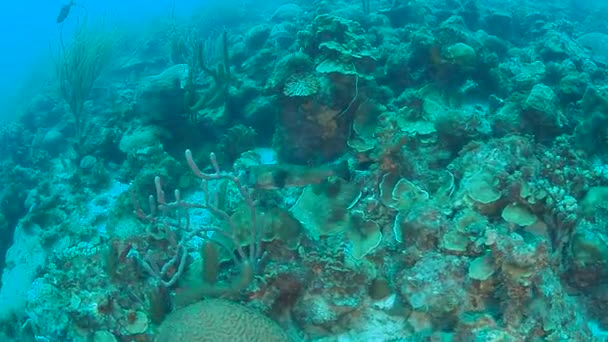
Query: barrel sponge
216, 320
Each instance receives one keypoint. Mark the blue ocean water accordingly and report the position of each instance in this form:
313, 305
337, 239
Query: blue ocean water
30, 32
305, 170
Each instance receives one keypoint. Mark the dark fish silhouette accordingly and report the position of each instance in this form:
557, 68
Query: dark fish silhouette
277, 176
65, 11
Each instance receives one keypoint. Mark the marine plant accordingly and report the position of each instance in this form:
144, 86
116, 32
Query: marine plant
200, 55
365, 6
79, 66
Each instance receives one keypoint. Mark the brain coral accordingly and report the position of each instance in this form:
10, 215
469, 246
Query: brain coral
216, 320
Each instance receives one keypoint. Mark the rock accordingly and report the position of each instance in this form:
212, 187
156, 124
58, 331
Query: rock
138, 140
256, 37
597, 44
461, 54
54, 142
500, 24
287, 12
161, 97
540, 107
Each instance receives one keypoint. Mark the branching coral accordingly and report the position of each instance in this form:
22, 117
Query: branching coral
165, 216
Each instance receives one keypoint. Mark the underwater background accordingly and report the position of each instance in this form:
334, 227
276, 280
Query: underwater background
313, 170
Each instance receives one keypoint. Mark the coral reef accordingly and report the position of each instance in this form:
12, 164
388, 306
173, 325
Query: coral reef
354, 171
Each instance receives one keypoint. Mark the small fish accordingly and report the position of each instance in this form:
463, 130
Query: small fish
65, 11
277, 176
